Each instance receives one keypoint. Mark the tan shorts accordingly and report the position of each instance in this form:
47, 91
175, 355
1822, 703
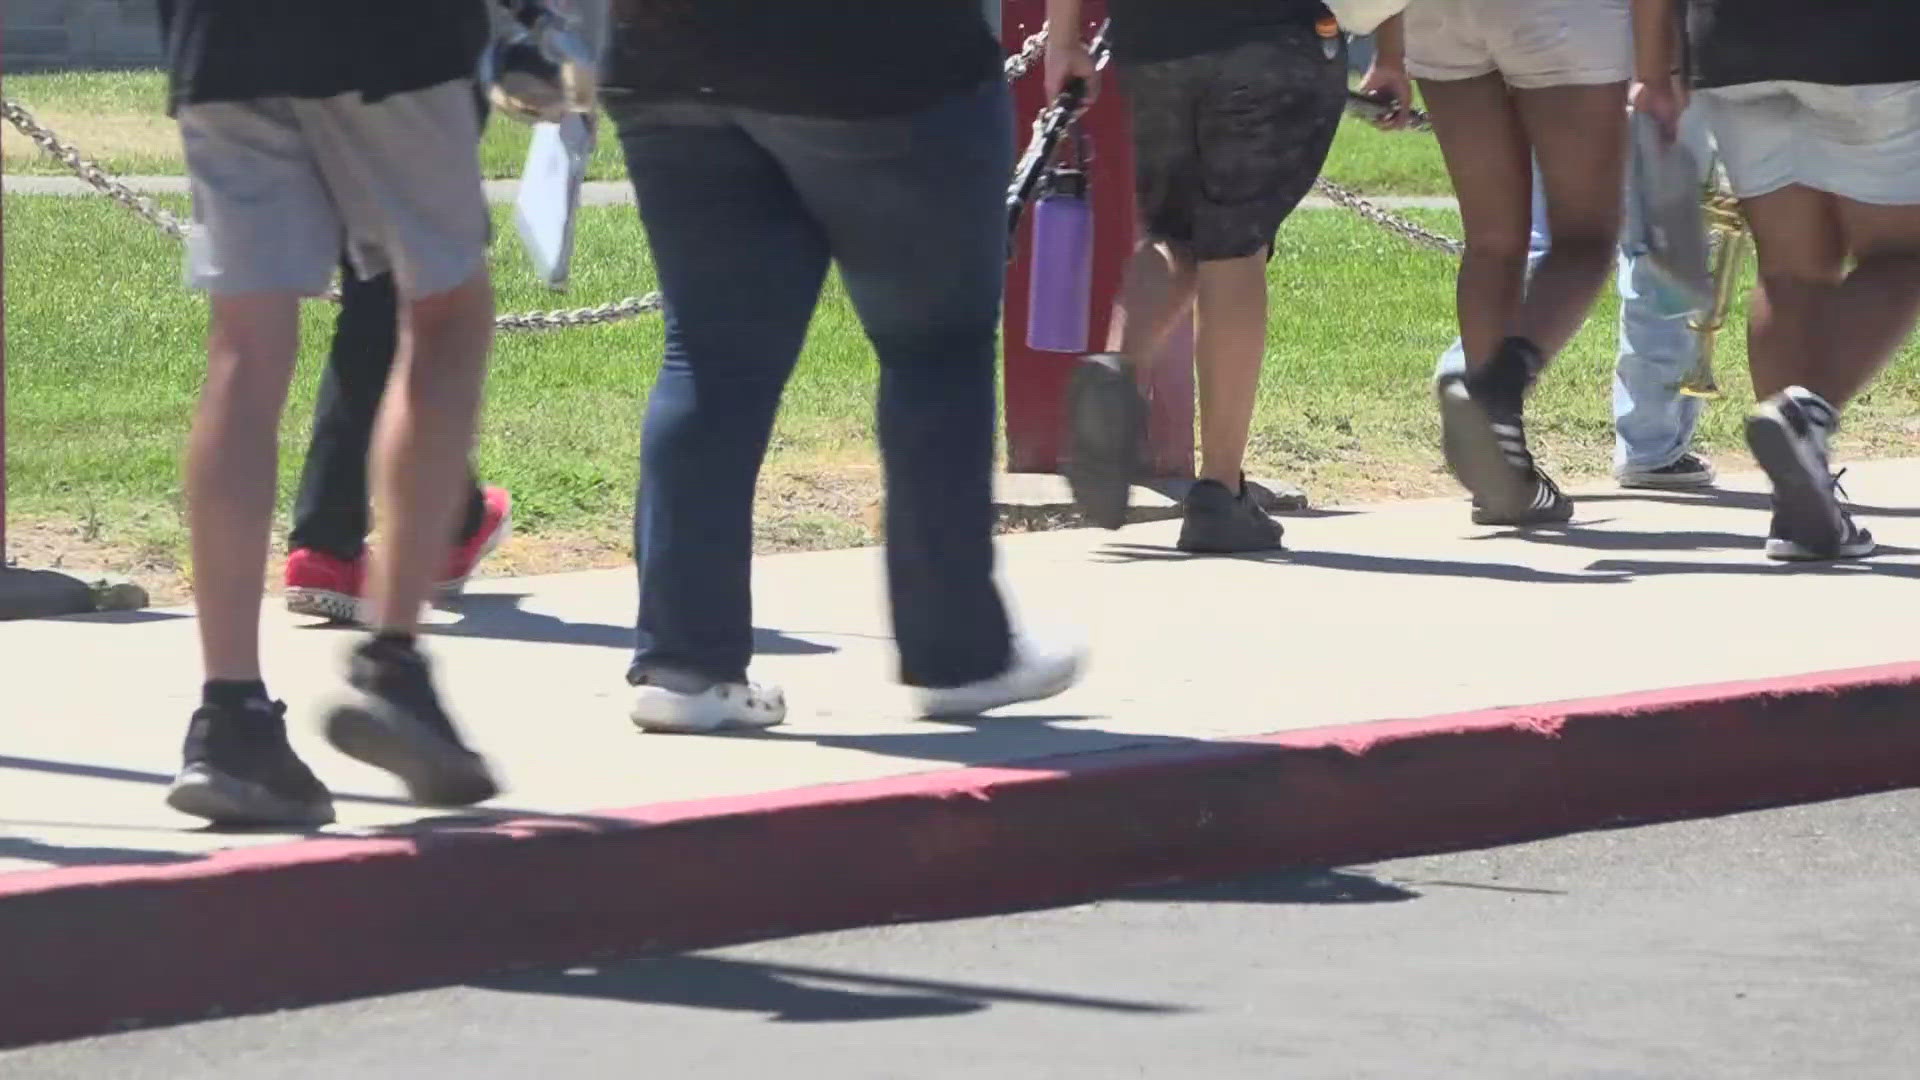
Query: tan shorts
281, 185
1857, 142
1533, 44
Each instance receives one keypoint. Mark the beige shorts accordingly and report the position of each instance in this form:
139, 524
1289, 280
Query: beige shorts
1857, 142
1533, 44
282, 185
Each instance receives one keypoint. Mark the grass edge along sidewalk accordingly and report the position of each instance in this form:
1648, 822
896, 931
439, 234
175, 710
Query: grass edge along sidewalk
97, 949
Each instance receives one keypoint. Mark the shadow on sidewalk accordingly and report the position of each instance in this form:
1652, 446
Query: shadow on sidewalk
788, 993
1372, 564
1009, 741
1735, 500
20, 847
500, 617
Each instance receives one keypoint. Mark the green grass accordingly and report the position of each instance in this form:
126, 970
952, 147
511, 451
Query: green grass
118, 117
104, 352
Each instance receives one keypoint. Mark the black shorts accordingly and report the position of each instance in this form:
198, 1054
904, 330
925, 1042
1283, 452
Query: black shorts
1227, 143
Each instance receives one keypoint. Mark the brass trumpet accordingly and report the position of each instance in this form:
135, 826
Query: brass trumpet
1730, 241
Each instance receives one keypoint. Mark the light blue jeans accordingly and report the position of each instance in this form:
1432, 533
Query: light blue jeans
1653, 422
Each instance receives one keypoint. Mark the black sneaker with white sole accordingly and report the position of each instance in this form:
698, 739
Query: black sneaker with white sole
1107, 420
1219, 522
239, 771
1486, 449
1855, 542
1788, 435
391, 718
1548, 506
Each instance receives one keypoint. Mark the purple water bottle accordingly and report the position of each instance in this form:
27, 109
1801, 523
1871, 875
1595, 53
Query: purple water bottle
1060, 288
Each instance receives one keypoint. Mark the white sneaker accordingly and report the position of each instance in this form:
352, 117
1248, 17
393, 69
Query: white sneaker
695, 706
1036, 674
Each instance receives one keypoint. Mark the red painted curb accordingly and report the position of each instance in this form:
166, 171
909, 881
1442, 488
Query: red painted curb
89, 950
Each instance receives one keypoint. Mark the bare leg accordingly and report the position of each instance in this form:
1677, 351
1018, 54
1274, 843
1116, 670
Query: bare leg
1154, 295
232, 465
1578, 134
1803, 257
1230, 343
1873, 311
424, 433
1489, 161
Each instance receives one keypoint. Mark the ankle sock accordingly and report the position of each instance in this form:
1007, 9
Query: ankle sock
1510, 373
233, 693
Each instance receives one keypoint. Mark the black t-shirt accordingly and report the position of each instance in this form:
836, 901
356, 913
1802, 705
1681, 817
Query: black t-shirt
829, 58
1147, 31
1837, 42
233, 50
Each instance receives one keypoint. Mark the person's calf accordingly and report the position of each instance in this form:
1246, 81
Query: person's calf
421, 446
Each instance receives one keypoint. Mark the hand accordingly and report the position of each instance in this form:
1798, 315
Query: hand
1389, 82
1663, 100
1067, 60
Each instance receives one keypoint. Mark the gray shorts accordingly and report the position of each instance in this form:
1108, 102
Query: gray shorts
280, 185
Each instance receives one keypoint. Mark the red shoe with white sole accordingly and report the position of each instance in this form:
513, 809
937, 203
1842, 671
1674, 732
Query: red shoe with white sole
496, 524
323, 586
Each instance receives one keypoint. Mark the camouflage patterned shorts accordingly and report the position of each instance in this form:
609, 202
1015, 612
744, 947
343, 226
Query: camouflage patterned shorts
1227, 143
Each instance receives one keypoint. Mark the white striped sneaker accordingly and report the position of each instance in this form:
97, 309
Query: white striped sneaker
1487, 451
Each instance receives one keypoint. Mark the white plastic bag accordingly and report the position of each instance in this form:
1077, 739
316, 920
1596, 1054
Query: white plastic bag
1364, 16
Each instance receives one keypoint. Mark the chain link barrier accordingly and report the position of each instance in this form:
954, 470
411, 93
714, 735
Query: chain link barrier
1017, 66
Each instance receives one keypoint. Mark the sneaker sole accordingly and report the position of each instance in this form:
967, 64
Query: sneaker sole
223, 800
435, 773
1801, 489
1059, 684
670, 714
1106, 418
1666, 483
324, 604
1784, 550
1475, 458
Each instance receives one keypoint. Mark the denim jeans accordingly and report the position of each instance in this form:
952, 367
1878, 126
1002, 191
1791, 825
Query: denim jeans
1653, 422
744, 212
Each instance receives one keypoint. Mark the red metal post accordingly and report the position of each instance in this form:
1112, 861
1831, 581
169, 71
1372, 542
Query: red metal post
1037, 381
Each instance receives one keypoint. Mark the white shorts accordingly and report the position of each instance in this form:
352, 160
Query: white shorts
1533, 44
281, 186
1857, 142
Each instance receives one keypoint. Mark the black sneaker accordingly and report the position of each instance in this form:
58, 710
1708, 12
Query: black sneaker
390, 717
1107, 421
238, 770
1219, 522
1486, 448
1548, 506
1788, 435
1690, 471
1855, 542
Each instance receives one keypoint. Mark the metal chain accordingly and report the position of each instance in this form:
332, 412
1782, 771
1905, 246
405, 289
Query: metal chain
1030, 51
69, 155
1387, 219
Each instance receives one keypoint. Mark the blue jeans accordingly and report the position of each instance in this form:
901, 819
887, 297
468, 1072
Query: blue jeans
1653, 422
744, 212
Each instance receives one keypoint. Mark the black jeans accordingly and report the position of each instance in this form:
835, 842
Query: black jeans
744, 213
330, 514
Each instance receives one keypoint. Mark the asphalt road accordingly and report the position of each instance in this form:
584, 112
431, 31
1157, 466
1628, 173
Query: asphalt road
1776, 944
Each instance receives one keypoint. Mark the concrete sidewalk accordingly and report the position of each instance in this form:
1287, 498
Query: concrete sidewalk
1396, 611
592, 193
1402, 610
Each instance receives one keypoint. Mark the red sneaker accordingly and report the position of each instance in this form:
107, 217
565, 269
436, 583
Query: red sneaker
321, 585
496, 524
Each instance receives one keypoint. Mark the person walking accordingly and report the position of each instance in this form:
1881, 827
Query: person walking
1511, 85
1816, 111
304, 126
767, 142
1235, 105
